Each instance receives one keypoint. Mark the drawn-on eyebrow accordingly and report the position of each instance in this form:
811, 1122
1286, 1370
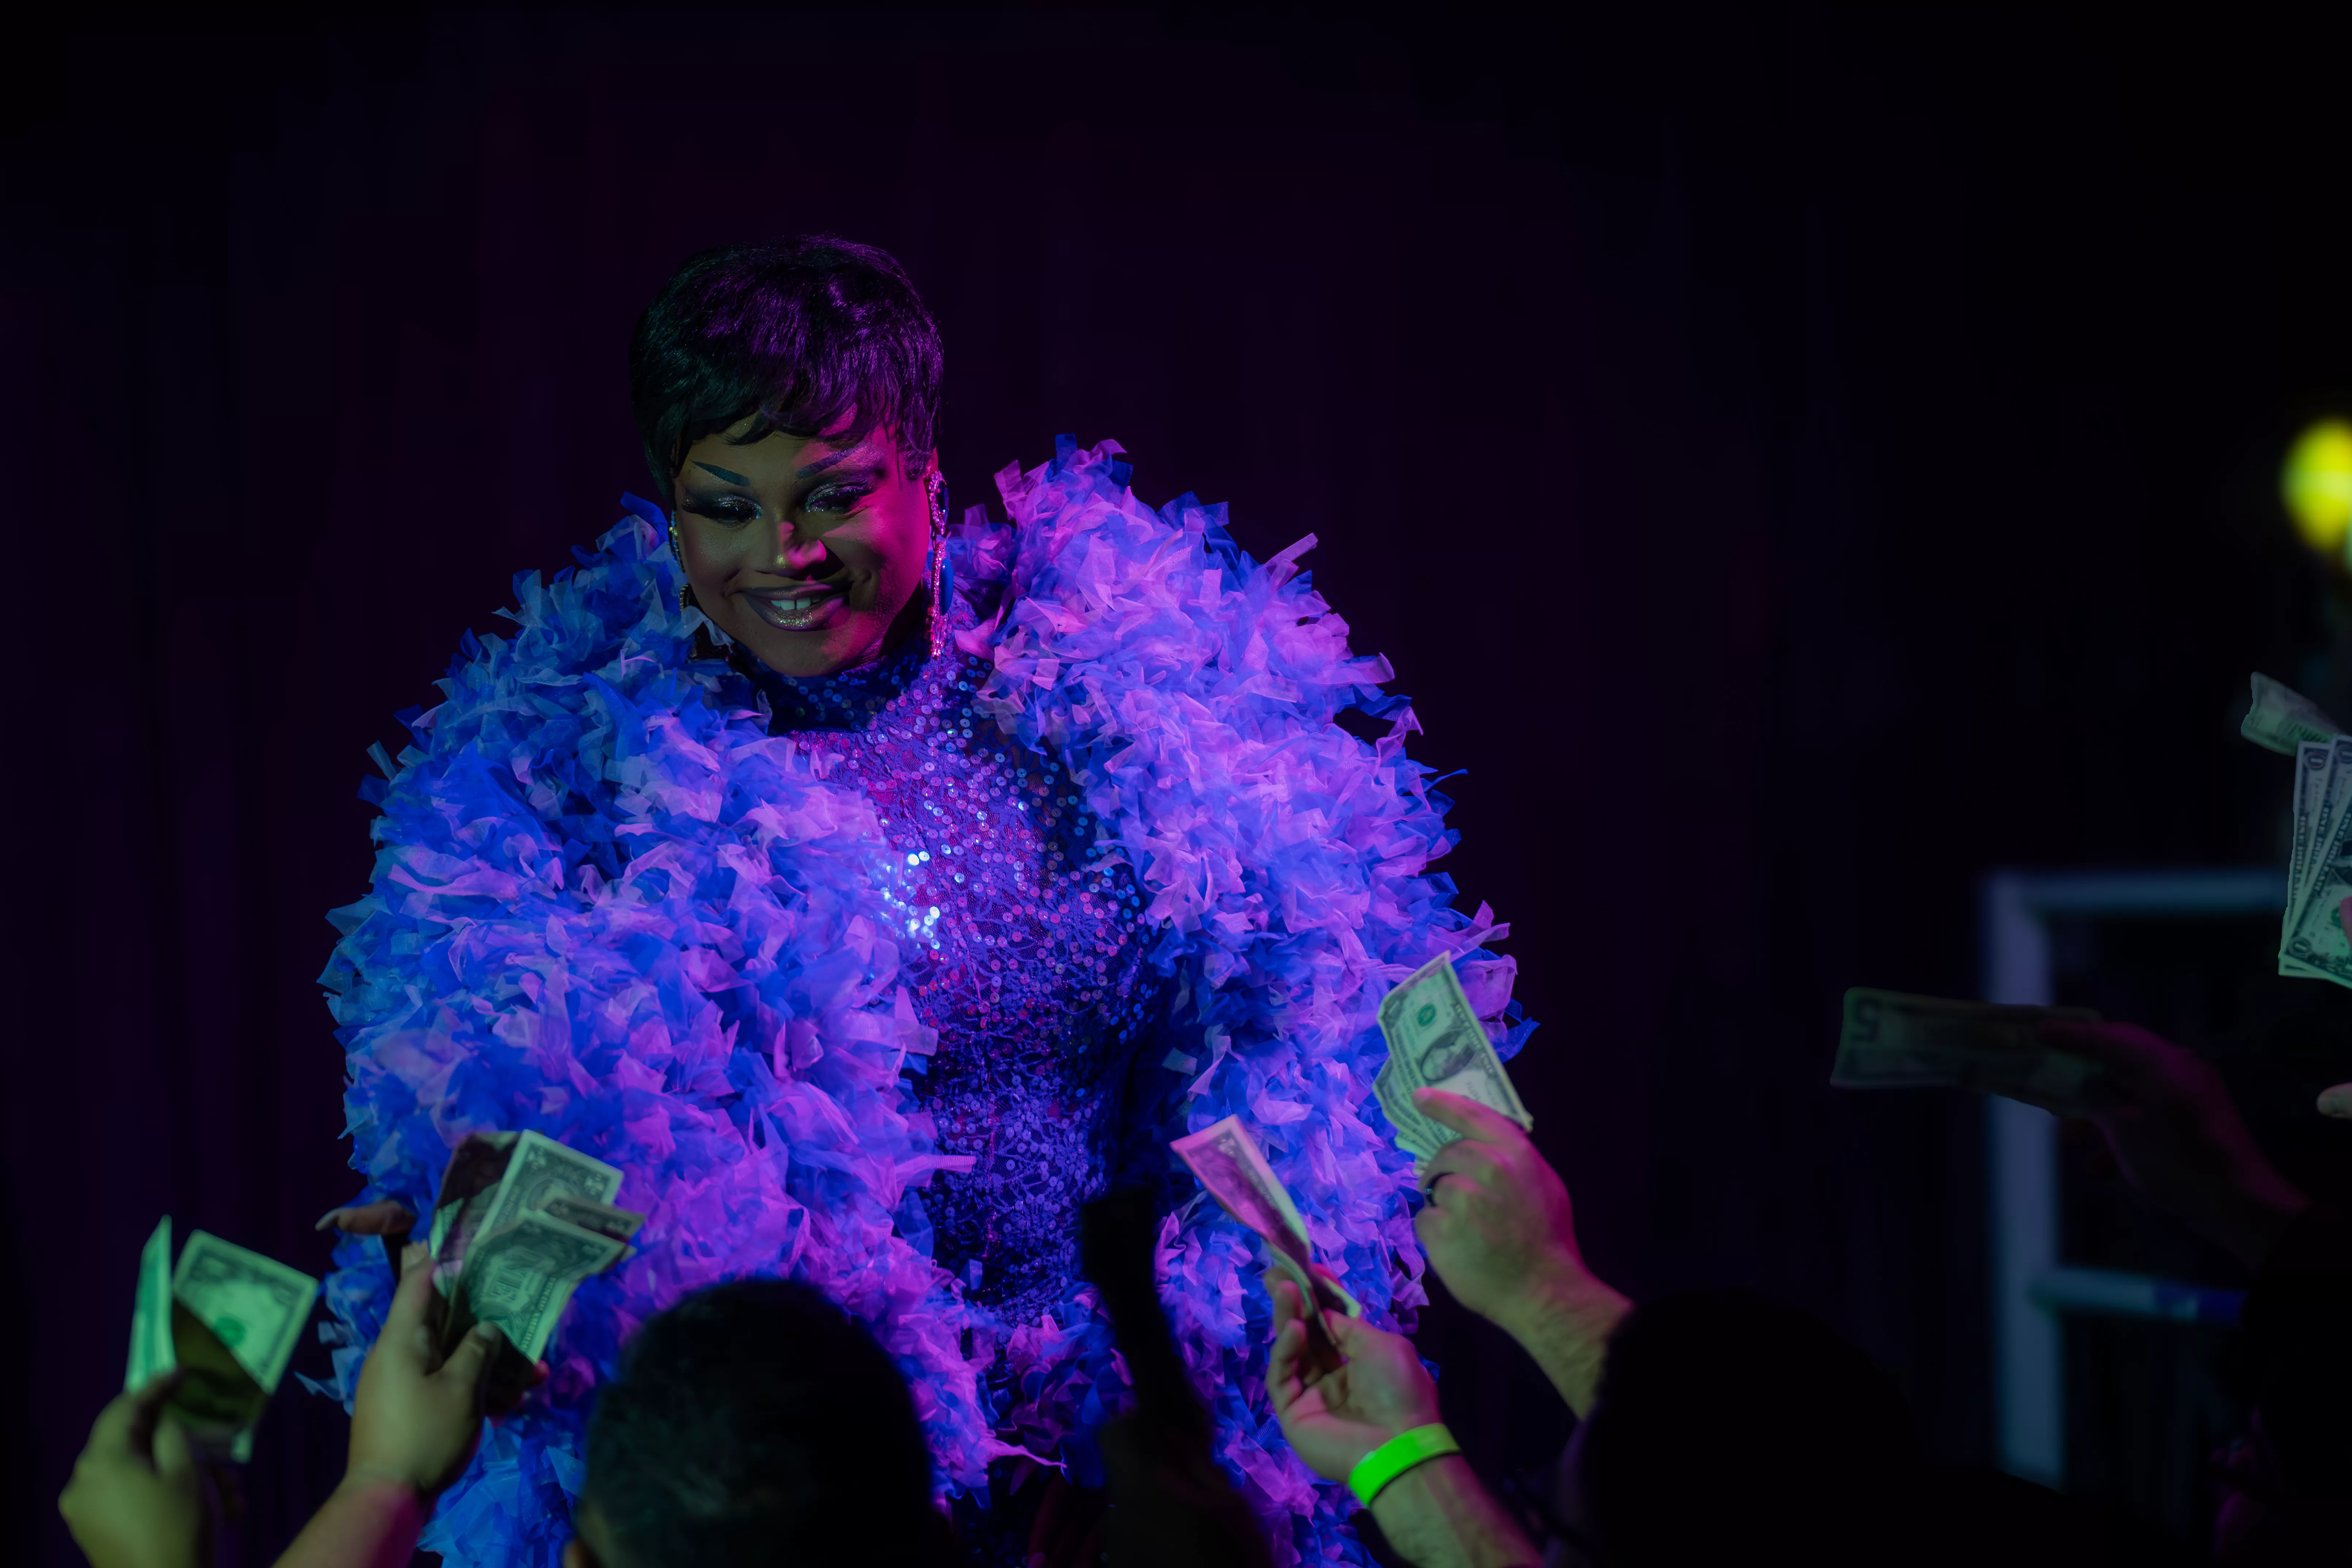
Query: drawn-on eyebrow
812, 470
729, 475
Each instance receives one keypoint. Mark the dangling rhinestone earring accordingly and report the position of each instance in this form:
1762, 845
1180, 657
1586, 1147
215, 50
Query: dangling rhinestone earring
941, 578
676, 554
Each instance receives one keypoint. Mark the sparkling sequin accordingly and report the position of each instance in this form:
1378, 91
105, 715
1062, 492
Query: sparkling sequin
1028, 950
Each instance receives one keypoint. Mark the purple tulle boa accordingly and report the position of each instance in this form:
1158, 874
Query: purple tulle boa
608, 906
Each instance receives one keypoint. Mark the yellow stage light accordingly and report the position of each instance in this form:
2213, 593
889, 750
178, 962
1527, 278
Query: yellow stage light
2318, 485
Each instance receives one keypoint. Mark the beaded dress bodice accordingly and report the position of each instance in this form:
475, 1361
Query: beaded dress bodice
1025, 949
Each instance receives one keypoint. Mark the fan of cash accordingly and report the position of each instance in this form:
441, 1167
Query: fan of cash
1436, 1041
228, 1319
520, 1221
2311, 941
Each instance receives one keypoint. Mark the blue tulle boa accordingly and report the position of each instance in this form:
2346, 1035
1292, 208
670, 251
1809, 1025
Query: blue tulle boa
609, 906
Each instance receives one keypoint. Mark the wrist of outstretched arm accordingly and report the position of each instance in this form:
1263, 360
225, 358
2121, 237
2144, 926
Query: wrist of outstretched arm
2250, 1217
1566, 1329
371, 1519
1565, 1301
1437, 1511
383, 1483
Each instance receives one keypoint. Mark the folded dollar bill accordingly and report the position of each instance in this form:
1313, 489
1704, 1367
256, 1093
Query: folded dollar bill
1892, 1040
520, 1221
1436, 1041
228, 1319
2282, 718
1233, 1170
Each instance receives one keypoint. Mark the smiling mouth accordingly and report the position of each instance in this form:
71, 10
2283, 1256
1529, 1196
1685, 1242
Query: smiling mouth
795, 609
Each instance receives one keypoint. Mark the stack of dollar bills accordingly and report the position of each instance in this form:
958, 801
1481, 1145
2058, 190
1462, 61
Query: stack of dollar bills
2312, 939
1436, 1041
520, 1221
228, 1319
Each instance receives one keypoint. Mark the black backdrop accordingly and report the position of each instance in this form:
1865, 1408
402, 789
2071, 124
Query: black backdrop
1796, 459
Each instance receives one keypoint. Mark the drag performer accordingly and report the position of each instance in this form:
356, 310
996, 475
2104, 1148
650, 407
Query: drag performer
874, 891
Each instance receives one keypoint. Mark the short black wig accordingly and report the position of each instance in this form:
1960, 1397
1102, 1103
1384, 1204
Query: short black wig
756, 1423
792, 336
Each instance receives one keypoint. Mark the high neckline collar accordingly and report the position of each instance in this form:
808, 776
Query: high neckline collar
845, 699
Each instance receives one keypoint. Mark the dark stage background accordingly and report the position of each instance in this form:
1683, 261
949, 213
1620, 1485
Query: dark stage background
1795, 461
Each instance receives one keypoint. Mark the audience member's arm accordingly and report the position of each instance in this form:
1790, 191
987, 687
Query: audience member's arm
414, 1423
2177, 1137
1436, 1513
137, 1496
1499, 1230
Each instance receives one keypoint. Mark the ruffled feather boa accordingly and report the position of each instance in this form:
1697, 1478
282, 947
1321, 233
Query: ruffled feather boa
609, 906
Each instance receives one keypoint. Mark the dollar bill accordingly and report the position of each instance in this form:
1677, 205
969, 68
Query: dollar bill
540, 1169
520, 1276
2311, 778
2310, 786
2326, 823
1892, 1040
1235, 1170
151, 1311
1436, 1041
227, 1320
255, 1306
474, 1169
2320, 859
2281, 719
2316, 944
511, 1203
603, 1220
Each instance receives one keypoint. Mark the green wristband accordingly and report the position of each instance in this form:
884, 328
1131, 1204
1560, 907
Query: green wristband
1398, 1455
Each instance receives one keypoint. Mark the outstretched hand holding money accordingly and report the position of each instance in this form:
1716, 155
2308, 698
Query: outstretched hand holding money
417, 1416
1333, 1418
415, 1420
1500, 1231
1434, 1513
2177, 1135
137, 1496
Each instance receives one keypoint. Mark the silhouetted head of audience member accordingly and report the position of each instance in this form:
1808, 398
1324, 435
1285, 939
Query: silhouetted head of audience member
1731, 1429
756, 1423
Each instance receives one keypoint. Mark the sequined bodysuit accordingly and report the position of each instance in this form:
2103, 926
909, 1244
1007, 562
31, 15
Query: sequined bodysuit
1027, 956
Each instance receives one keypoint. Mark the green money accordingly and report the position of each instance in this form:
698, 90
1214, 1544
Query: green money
1436, 1041
151, 1311
2282, 718
540, 1169
1892, 1040
520, 1278
256, 1306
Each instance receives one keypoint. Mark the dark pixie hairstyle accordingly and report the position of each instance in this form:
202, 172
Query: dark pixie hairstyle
792, 336
756, 1423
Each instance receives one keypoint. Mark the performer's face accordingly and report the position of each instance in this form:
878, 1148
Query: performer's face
806, 550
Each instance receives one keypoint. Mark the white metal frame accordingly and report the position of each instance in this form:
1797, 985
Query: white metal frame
2029, 1284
